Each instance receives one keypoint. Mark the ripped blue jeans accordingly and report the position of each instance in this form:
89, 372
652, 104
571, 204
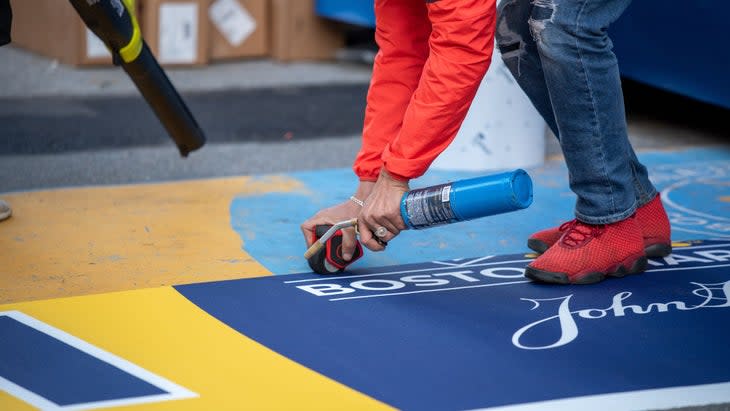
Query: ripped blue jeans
560, 54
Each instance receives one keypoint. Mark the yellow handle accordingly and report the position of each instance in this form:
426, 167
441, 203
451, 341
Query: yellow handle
313, 250
131, 51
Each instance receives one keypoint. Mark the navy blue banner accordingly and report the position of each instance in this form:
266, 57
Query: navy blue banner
60, 373
475, 333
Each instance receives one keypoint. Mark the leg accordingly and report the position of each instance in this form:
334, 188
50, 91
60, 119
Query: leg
582, 78
519, 53
518, 29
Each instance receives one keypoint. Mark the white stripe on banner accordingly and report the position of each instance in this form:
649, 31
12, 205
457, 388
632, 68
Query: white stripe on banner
357, 297
469, 264
661, 398
174, 391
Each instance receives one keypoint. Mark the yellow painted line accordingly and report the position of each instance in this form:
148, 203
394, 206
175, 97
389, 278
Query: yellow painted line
725, 199
160, 330
681, 244
100, 239
10, 403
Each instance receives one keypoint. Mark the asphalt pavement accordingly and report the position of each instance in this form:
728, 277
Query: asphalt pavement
63, 126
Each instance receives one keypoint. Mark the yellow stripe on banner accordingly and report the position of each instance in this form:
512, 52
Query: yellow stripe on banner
163, 332
10, 403
92, 240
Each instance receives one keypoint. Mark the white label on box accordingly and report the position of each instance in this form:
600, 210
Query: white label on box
232, 20
95, 48
178, 38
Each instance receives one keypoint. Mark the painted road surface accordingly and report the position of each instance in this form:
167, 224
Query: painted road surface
475, 333
695, 185
90, 318
463, 334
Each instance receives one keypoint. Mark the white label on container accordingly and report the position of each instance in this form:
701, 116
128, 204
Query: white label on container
178, 38
445, 194
95, 48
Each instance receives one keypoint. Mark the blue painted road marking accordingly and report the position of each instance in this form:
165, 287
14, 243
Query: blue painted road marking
51, 369
473, 333
695, 181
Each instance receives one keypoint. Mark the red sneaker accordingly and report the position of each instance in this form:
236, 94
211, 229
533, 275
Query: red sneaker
589, 253
651, 217
655, 228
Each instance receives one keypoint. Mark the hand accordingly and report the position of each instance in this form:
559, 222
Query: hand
340, 212
382, 209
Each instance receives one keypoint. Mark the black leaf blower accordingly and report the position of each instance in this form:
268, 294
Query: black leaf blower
114, 22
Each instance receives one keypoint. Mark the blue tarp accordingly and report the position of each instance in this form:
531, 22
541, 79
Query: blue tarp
679, 47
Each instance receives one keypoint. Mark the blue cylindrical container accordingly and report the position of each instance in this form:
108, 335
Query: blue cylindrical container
466, 199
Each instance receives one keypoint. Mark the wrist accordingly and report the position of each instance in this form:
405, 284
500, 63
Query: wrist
394, 179
364, 189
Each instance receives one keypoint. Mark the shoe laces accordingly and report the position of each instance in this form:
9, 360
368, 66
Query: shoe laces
566, 225
578, 233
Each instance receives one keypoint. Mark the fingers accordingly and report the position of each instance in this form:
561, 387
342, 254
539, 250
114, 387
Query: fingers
330, 216
307, 228
384, 223
391, 229
382, 210
310, 225
349, 243
380, 220
369, 240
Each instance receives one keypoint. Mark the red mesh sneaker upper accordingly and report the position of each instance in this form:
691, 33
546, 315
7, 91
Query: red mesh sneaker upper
654, 223
551, 235
586, 248
651, 217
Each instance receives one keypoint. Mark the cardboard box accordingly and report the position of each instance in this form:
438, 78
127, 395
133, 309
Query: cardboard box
177, 30
298, 34
52, 28
239, 28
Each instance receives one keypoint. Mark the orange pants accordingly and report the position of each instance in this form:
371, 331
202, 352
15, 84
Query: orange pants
433, 56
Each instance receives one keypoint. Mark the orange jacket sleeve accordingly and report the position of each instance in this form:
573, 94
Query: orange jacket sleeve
401, 32
459, 50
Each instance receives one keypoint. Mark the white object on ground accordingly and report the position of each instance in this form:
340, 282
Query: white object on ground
502, 129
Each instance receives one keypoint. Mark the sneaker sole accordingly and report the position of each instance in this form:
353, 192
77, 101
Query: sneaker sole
651, 251
658, 250
537, 245
637, 267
